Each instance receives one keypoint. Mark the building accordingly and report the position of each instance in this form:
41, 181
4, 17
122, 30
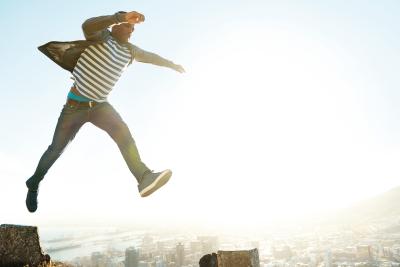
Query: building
98, 259
364, 252
131, 257
180, 255
328, 258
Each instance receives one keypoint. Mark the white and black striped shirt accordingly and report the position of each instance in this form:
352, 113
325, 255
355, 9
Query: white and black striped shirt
99, 68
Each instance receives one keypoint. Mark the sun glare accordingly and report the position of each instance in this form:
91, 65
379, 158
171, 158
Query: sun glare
271, 112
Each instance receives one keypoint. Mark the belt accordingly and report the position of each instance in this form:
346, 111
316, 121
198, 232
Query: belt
88, 104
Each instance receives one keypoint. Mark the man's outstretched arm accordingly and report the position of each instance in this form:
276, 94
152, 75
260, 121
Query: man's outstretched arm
152, 58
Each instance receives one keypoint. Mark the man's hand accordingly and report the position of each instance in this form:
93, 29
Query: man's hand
178, 68
133, 17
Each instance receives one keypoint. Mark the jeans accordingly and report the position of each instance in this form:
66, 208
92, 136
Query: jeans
105, 117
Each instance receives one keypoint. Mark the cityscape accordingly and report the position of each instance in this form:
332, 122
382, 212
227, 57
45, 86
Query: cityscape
365, 234
376, 244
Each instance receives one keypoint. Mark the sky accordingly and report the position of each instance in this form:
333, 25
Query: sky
286, 109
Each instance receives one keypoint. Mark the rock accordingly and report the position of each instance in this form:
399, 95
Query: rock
20, 246
209, 260
238, 258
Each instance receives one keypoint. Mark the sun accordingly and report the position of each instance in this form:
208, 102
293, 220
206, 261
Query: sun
265, 112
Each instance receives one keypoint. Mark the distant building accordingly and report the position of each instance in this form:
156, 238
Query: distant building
131, 257
180, 255
328, 258
98, 259
364, 252
148, 245
159, 262
160, 246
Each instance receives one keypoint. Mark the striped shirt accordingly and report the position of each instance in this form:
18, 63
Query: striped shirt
99, 68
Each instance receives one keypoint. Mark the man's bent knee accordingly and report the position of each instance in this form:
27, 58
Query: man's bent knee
121, 134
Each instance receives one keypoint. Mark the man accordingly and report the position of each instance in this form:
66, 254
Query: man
96, 65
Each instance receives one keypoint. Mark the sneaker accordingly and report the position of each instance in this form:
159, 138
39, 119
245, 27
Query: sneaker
153, 181
31, 200
31, 197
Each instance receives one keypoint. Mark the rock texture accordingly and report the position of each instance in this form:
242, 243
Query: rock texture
20, 246
209, 260
239, 258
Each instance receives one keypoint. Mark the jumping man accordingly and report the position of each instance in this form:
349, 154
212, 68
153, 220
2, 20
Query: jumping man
96, 65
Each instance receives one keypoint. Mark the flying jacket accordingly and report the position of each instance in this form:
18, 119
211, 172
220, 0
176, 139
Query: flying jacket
66, 54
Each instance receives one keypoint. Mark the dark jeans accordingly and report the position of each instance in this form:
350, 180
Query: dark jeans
105, 117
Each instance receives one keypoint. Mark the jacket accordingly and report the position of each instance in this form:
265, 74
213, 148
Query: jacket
66, 54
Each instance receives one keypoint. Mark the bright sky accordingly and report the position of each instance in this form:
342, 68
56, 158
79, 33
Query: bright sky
287, 108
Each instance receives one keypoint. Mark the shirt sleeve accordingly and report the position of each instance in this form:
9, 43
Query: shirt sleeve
144, 56
95, 29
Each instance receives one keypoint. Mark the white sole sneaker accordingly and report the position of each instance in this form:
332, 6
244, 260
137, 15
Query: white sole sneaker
161, 180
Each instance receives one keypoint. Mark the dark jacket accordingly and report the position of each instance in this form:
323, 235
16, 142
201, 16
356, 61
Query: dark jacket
66, 54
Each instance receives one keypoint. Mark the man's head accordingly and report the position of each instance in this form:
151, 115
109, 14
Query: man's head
122, 32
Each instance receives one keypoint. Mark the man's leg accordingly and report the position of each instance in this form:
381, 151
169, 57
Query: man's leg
69, 123
107, 118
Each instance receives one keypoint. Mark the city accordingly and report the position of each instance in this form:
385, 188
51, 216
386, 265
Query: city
376, 245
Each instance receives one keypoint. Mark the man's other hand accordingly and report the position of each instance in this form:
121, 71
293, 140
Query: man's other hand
134, 17
178, 68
